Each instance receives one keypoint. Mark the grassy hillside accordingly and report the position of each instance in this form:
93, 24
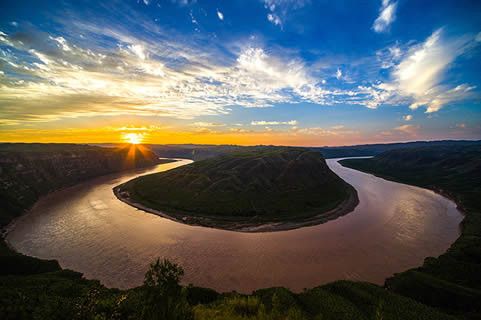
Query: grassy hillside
263, 185
452, 281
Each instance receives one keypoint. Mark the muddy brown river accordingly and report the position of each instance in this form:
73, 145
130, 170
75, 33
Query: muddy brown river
87, 229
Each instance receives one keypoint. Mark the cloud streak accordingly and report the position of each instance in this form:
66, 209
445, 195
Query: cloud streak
418, 76
387, 15
274, 123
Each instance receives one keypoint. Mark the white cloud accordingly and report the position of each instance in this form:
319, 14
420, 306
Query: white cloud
421, 72
338, 74
273, 123
138, 50
278, 10
273, 18
387, 15
407, 117
220, 15
319, 131
207, 124
418, 76
62, 43
390, 56
83, 82
408, 129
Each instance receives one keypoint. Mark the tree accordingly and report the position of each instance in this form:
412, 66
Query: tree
164, 296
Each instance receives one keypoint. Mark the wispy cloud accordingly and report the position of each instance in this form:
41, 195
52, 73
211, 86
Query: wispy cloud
220, 15
408, 129
338, 74
274, 18
407, 117
387, 15
68, 80
418, 76
278, 10
207, 124
273, 123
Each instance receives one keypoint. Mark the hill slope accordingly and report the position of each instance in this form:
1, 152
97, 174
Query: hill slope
288, 187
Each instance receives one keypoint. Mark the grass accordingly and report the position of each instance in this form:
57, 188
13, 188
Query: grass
338, 300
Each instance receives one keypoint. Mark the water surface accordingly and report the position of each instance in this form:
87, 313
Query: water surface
87, 229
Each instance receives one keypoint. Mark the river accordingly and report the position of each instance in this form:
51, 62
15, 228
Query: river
87, 229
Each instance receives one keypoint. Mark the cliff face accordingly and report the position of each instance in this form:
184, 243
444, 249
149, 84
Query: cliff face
28, 171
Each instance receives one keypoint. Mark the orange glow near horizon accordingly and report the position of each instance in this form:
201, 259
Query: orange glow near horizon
144, 134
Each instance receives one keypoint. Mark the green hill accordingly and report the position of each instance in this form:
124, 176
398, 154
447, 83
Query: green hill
245, 189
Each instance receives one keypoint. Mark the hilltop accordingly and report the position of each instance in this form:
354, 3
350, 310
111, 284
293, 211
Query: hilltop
257, 189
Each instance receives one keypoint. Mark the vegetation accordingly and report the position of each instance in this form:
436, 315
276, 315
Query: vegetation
264, 185
65, 294
164, 298
451, 282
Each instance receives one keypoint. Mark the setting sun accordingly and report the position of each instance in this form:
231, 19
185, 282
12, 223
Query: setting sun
133, 138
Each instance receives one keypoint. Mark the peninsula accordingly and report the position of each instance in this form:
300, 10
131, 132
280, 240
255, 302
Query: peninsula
254, 190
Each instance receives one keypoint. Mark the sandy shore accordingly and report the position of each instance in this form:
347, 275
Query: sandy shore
243, 225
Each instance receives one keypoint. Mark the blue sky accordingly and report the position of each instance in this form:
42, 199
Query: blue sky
265, 71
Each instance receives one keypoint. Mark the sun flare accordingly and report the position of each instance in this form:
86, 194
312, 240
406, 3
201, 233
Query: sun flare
133, 138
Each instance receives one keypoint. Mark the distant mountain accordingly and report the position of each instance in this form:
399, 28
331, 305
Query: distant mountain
258, 185
375, 149
203, 151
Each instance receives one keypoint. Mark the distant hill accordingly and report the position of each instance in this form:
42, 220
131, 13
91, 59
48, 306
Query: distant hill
203, 151
195, 152
242, 189
375, 149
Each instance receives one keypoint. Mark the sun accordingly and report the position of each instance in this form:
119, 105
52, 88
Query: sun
133, 138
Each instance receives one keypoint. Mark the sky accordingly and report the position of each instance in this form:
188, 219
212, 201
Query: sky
282, 72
